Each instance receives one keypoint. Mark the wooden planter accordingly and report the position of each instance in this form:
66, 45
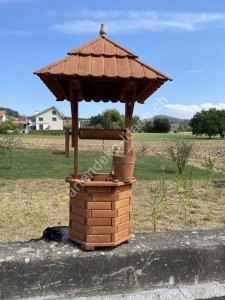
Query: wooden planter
100, 211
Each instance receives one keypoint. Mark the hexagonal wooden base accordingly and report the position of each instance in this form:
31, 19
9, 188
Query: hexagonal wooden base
100, 212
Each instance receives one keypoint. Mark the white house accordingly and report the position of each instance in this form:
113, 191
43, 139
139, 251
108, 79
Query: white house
3, 116
50, 118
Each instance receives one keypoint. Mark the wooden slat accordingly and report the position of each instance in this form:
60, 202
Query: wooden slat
109, 48
77, 202
136, 69
125, 187
98, 95
82, 196
81, 228
118, 236
59, 152
81, 212
99, 189
71, 65
98, 47
99, 205
86, 50
125, 194
149, 73
105, 197
101, 134
77, 218
110, 67
103, 213
84, 66
124, 210
123, 226
121, 203
120, 52
123, 67
120, 219
103, 230
57, 69
98, 238
76, 234
98, 222
97, 66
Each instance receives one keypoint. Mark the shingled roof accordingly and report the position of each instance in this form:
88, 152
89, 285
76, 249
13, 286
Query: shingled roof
101, 60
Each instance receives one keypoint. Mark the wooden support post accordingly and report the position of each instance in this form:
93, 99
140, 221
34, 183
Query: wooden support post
129, 107
128, 124
74, 110
67, 140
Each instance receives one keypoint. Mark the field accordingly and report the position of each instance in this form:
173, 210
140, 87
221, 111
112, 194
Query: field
33, 195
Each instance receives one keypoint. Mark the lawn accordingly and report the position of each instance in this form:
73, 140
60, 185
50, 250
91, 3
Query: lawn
41, 164
34, 195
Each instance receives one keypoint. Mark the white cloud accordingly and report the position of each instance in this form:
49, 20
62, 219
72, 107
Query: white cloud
194, 71
15, 32
87, 21
9, 1
187, 111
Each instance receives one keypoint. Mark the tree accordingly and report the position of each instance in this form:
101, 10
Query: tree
209, 122
8, 125
113, 119
179, 150
148, 127
161, 125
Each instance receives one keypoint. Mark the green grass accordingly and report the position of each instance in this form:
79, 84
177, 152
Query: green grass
145, 137
40, 164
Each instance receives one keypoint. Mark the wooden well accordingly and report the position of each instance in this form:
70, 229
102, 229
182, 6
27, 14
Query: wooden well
100, 212
101, 70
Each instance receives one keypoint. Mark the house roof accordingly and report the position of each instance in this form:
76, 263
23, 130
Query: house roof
101, 70
2, 112
21, 122
50, 108
67, 122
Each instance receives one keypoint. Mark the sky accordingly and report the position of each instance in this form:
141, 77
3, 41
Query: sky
183, 39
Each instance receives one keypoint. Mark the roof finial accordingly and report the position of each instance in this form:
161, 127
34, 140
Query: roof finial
102, 30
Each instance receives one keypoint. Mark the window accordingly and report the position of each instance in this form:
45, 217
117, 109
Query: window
40, 119
54, 112
54, 119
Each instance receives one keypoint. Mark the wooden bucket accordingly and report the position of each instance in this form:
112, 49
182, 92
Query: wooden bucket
124, 166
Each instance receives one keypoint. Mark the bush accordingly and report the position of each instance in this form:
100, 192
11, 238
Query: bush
179, 150
8, 125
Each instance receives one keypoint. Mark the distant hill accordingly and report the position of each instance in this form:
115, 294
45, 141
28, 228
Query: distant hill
11, 113
171, 119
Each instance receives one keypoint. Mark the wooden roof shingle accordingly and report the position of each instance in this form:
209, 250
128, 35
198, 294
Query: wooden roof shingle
100, 59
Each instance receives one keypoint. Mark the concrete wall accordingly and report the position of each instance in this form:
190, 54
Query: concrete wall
56, 267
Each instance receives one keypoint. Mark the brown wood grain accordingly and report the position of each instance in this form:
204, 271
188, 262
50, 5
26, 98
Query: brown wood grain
99, 205
98, 222
98, 238
76, 218
120, 219
103, 213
